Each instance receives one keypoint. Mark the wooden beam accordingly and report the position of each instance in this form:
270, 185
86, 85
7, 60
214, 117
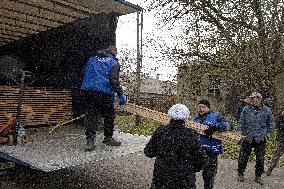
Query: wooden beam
28, 19
22, 10
7, 31
14, 27
73, 6
9, 27
9, 36
5, 40
49, 9
90, 7
26, 25
67, 7
24, 13
227, 136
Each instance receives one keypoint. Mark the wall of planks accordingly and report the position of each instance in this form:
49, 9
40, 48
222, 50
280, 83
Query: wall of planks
40, 105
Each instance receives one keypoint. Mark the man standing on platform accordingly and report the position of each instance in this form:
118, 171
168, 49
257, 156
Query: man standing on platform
100, 83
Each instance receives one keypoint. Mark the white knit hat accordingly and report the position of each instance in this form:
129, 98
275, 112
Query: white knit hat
179, 112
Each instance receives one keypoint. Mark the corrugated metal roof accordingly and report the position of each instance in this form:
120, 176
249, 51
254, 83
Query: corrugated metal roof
22, 18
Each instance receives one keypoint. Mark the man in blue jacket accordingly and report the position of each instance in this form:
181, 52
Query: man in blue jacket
213, 147
256, 125
100, 83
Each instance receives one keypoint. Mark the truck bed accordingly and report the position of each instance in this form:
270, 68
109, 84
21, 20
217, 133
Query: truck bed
64, 148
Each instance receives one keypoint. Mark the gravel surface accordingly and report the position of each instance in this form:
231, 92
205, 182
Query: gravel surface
130, 171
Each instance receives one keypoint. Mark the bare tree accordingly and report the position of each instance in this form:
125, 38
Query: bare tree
245, 37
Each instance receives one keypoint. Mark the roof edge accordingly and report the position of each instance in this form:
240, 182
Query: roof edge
137, 7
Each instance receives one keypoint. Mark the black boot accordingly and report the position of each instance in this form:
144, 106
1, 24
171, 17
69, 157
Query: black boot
259, 180
90, 146
268, 172
111, 141
241, 177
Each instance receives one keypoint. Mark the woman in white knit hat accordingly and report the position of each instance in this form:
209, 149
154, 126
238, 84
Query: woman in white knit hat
178, 152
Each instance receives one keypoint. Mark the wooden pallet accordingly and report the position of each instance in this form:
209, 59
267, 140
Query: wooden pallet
163, 118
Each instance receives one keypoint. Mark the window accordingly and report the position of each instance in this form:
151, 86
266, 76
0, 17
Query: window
214, 86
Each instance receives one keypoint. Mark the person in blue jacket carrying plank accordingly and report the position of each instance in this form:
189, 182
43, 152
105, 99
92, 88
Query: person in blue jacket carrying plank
213, 147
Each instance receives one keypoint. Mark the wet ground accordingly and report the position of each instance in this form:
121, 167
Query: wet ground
132, 171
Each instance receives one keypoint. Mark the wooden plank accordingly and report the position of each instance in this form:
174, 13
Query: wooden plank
6, 38
163, 118
9, 36
74, 6
49, 10
6, 31
13, 27
39, 105
22, 24
21, 13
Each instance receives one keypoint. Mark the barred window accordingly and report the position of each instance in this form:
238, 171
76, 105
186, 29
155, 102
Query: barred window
214, 86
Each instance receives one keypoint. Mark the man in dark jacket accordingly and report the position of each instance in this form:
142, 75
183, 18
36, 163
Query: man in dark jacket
100, 83
256, 125
213, 147
178, 152
280, 144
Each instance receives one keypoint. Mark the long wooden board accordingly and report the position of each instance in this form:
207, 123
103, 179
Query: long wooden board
163, 118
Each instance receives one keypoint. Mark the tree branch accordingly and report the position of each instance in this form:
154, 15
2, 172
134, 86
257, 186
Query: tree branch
219, 14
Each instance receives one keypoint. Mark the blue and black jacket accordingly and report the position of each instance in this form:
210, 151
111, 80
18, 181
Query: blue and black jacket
102, 74
215, 120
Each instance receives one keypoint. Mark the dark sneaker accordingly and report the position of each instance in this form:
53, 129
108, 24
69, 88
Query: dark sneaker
241, 178
90, 146
111, 142
259, 180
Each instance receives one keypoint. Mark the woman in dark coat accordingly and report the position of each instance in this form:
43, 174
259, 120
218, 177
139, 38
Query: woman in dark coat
178, 152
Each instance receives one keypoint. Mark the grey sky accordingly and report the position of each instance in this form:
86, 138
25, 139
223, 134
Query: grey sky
126, 38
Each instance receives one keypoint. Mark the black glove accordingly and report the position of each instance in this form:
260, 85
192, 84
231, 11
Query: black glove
210, 130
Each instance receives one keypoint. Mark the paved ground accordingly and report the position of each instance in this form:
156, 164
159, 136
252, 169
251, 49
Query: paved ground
127, 172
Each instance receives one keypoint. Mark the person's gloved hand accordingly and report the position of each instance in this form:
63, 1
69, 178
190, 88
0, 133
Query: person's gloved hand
210, 130
122, 100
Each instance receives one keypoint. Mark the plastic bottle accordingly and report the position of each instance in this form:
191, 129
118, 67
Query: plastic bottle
21, 134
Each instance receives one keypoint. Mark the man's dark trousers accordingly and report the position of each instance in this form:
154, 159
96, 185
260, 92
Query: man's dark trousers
210, 170
259, 150
98, 105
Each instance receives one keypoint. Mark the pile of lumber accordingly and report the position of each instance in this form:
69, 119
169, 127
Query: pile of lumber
40, 105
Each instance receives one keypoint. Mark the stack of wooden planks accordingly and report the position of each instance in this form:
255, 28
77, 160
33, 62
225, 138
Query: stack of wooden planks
40, 105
